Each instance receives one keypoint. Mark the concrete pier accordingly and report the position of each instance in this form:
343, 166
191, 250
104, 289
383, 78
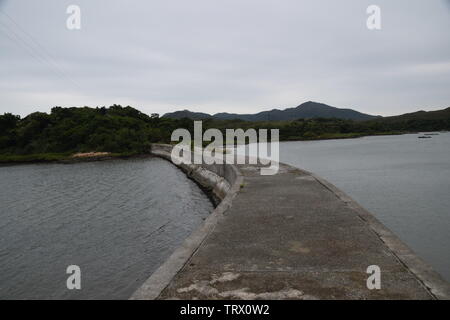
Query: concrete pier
288, 236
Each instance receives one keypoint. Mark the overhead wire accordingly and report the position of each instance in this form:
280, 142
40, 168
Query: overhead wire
33, 47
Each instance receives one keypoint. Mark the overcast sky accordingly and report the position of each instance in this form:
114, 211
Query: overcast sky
213, 56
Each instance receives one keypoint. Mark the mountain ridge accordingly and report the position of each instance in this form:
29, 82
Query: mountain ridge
307, 110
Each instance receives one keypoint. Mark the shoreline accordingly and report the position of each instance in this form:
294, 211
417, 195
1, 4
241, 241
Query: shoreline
66, 158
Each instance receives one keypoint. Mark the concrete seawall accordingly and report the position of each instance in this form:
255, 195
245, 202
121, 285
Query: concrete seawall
288, 236
224, 181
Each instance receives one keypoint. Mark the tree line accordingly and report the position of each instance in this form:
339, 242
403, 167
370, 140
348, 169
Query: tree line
125, 130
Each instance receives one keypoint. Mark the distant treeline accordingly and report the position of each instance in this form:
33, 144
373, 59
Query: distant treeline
125, 130
332, 128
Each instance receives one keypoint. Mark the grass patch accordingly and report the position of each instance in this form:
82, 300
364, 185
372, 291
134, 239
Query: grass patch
58, 157
40, 157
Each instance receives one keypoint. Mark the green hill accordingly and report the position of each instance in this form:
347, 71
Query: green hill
116, 129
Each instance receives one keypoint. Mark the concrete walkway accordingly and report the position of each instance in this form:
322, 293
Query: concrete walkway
295, 236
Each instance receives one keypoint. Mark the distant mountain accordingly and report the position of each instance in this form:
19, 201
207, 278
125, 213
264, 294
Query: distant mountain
187, 114
421, 115
306, 110
420, 121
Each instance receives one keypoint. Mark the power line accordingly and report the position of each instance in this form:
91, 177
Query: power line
37, 51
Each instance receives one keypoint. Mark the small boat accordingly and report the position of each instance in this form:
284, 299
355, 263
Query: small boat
424, 137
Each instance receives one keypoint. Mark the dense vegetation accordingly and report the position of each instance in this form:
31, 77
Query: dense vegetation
120, 130
124, 130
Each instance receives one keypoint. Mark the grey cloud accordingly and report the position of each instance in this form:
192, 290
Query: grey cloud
235, 56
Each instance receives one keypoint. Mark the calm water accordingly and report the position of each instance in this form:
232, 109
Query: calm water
117, 220
404, 181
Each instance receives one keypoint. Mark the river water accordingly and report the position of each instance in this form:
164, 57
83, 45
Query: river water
117, 220
404, 181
